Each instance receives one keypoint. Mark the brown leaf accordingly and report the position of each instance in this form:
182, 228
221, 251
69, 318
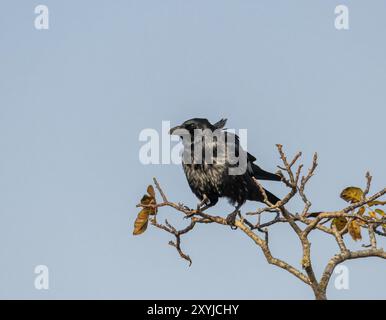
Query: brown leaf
150, 191
339, 222
355, 230
146, 199
352, 194
140, 224
149, 199
361, 211
152, 211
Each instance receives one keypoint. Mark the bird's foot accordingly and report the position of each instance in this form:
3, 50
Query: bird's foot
184, 206
190, 214
231, 219
199, 209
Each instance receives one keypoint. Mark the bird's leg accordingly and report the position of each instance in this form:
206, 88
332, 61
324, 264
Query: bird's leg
231, 218
202, 205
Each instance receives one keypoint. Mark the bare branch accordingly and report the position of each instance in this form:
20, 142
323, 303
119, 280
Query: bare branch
368, 184
348, 255
304, 181
160, 190
172, 230
308, 221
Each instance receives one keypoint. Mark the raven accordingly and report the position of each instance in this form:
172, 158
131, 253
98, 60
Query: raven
210, 179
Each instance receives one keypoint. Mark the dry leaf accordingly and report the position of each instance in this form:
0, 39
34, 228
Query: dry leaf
146, 199
380, 212
361, 211
142, 220
352, 194
140, 224
340, 223
149, 199
373, 214
376, 203
355, 230
150, 191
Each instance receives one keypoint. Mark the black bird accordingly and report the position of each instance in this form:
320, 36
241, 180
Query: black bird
210, 180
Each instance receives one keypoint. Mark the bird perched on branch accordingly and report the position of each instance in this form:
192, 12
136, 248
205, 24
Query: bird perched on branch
216, 166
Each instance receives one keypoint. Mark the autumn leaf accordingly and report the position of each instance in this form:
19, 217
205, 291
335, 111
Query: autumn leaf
373, 214
339, 222
149, 199
146, 199
140, 224
361, 211
150, 191
376, 203
142, 220
352, 194
383, 215
380, 212
354, 230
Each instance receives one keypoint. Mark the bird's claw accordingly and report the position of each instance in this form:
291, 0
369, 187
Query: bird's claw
231, 219
184, 207
190, 214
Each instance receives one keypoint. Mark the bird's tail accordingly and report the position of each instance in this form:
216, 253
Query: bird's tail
271, 197
260, 174
256, 195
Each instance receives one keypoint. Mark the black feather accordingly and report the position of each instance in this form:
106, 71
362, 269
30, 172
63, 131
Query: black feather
260, 174
220, 124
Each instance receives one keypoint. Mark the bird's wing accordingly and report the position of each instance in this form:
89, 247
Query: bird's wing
233, 144
253, 169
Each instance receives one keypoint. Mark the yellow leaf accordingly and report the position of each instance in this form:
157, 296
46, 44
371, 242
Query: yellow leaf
340, 223
150, 191
355, 230
372, 214
361, 211
376, 203
352, 194
140, 224
380, 212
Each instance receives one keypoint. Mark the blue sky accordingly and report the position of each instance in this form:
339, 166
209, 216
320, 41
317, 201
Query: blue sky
74, 99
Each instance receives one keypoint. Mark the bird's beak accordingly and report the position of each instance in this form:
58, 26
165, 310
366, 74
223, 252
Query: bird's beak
172, 130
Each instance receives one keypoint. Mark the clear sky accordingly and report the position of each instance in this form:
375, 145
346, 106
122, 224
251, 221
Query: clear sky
74, 98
